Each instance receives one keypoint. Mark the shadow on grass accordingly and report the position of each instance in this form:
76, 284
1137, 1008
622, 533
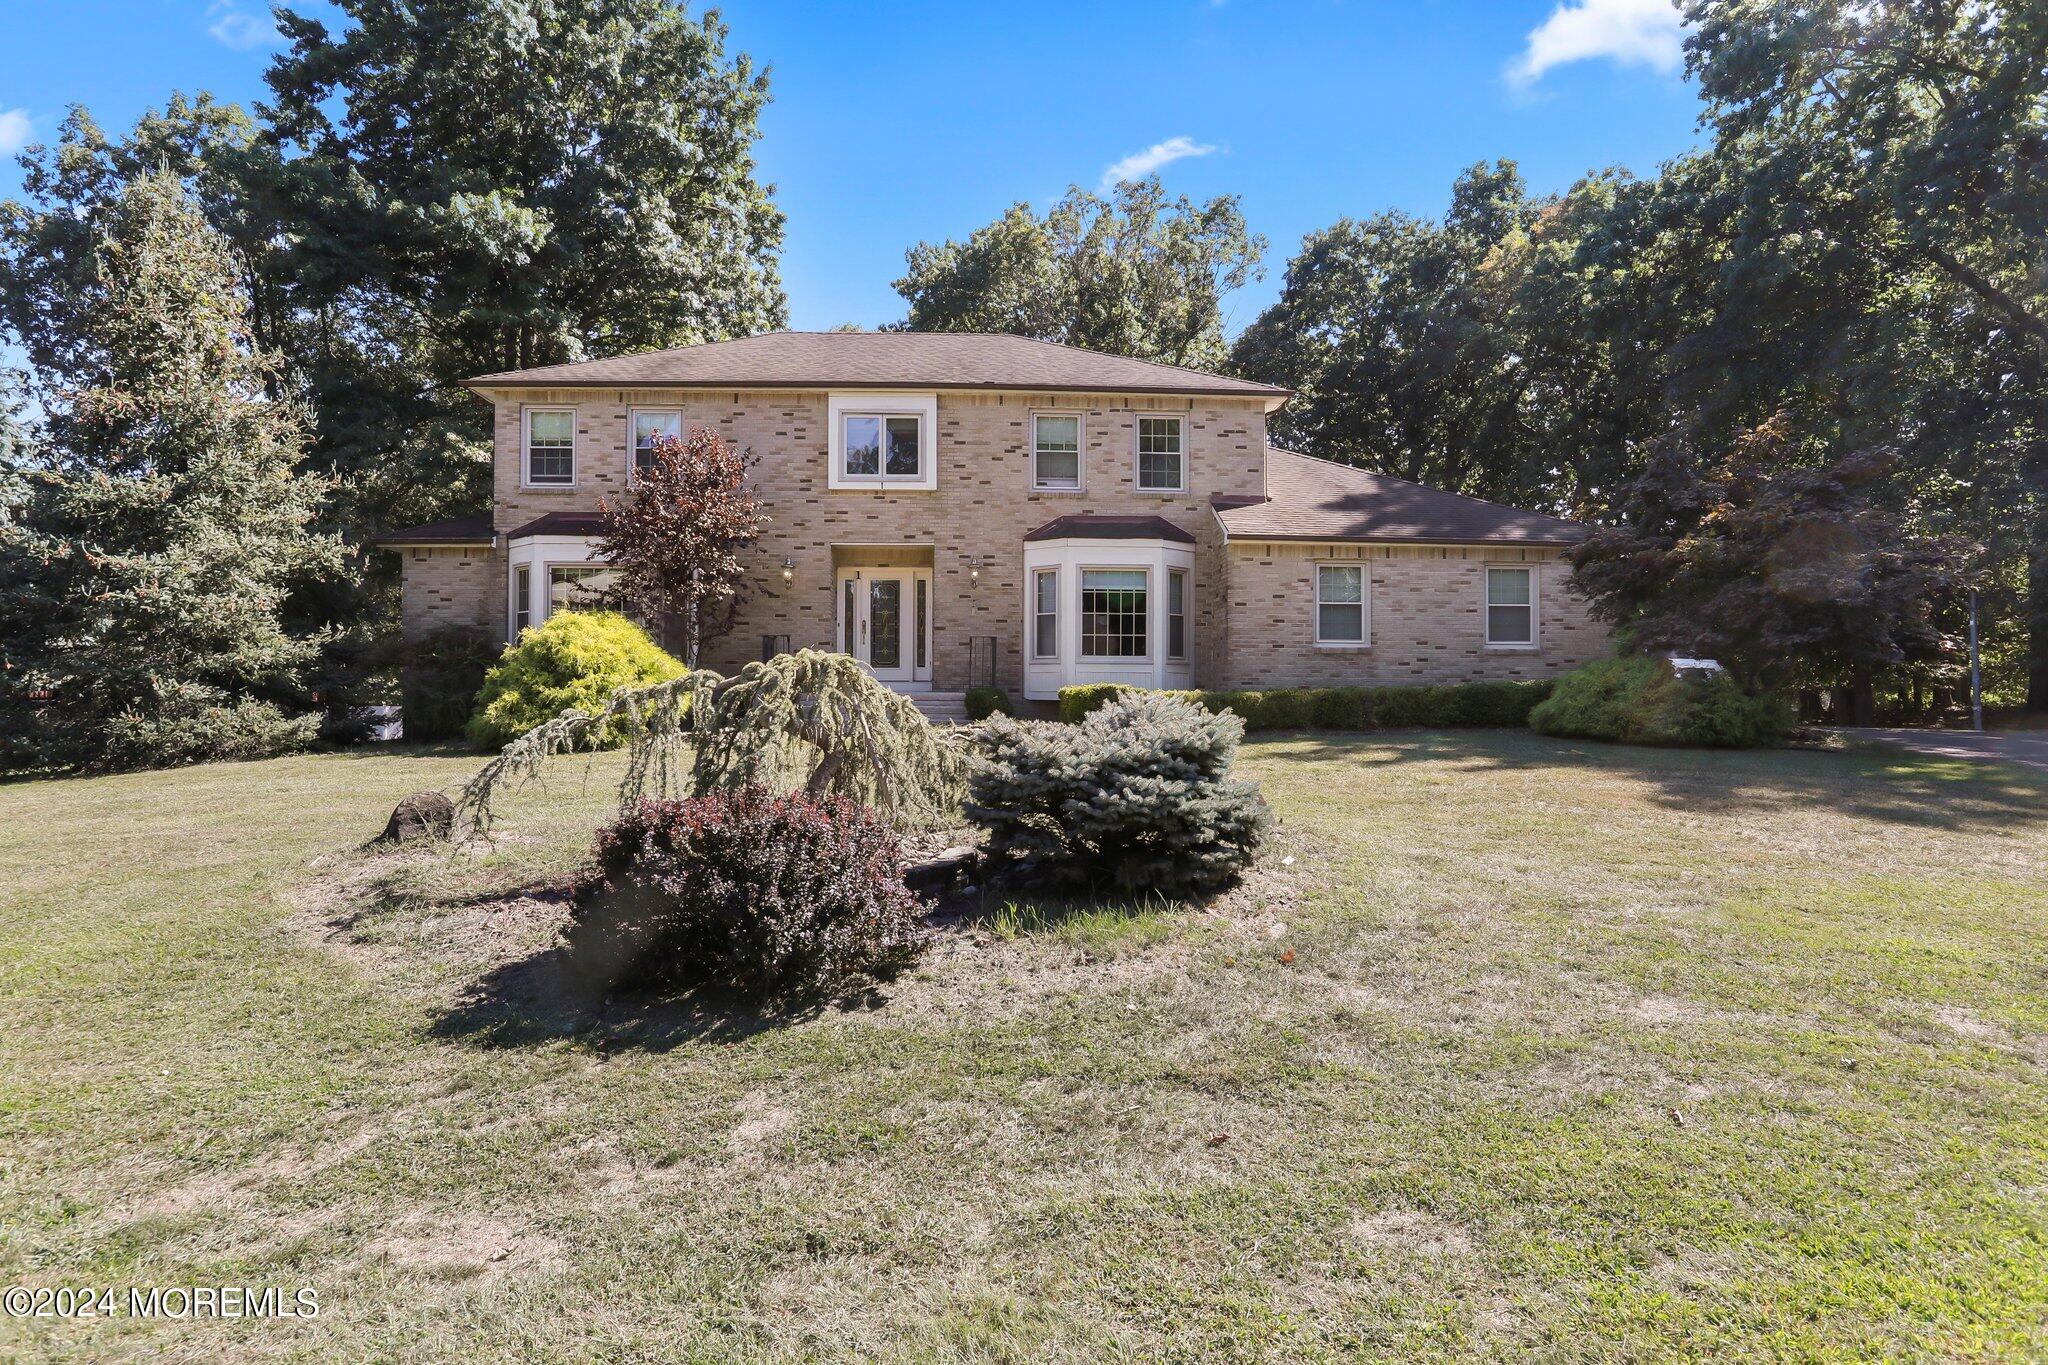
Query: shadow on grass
1863, 781
551, 995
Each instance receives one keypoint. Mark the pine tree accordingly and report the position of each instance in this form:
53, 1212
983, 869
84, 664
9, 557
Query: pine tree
158, 529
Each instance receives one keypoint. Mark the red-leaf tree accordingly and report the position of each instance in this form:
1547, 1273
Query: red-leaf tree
676, 540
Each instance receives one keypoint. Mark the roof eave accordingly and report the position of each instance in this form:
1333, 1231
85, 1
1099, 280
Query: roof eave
1273, 398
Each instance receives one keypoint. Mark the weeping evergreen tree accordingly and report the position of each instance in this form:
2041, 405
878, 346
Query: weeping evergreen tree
155, 531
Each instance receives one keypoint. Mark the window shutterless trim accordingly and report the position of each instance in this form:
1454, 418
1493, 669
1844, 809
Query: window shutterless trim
526, 479
1487, 604
1364, 604
1180, 422
633, 416
1081, 615
1183, 578
1080, 483
1037, 614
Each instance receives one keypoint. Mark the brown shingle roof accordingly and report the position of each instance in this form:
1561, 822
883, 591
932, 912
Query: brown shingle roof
1311, 499
1110, 526
455, 531
868, 360
560, 524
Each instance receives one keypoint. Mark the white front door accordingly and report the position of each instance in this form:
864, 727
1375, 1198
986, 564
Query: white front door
885, 622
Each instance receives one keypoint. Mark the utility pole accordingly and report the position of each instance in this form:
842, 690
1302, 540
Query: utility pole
1976, 672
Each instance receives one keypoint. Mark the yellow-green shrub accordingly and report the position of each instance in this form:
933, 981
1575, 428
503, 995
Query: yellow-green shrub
575, 658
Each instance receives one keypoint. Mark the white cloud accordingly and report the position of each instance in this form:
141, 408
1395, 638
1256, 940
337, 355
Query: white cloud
1140, 164
1630, 32
238, 28
16, 127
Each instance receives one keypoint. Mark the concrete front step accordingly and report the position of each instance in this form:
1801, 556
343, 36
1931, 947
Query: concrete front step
941, 708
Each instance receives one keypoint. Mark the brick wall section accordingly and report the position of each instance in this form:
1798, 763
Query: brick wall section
982, 507
1427, 606
452, 587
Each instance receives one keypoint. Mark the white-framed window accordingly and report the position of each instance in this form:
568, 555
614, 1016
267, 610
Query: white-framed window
879, 445
1511, 606
882, 440
1341, 608
1162, 454
649, 426
1176, 613
574, 587
522, 599
1045, 614
1056, 451
549, 447
1114, 613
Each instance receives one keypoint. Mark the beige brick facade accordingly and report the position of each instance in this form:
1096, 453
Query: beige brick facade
1252, 620
978, 514
1427, 617
448, 586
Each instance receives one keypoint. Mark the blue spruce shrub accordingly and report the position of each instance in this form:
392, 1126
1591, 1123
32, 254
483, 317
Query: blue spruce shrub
1137, 795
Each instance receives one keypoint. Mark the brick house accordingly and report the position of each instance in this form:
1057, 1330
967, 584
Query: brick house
957, 509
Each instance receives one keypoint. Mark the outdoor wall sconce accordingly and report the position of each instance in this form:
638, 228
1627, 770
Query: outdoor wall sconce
974, 570
788, 570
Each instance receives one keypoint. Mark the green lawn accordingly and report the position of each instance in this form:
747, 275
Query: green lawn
1535, 1048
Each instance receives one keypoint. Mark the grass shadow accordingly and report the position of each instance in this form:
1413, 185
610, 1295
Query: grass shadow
1888, 785
548, 997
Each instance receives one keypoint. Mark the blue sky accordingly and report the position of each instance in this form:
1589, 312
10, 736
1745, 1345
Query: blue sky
893, 123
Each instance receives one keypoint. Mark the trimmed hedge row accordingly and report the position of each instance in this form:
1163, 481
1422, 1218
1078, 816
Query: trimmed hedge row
1646, 701
1346, 708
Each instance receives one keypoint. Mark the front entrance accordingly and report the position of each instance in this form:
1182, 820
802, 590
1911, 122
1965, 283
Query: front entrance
885, 621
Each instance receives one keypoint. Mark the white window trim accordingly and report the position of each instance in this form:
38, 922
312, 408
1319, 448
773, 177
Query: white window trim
526, 446
894, 403
1032, 613
1187, 616
632, 434
1080, 484
1152, 628
547, 584
1364, 604
1535, 640
516, 608
1138, 421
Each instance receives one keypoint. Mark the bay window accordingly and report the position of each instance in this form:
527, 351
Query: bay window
1176, 613
1114, 605
1045, 614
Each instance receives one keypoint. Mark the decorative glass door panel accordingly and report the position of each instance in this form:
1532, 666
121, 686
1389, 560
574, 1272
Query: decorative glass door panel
885, 626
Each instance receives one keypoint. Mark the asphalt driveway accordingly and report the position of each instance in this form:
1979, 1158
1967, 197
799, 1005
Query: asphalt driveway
2029, 748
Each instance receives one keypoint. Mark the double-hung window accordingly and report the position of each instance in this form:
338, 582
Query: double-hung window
1340, 604
1113, 613
882, 445
1176, 613
1056, 450
1510, 606
651, 425
1162, 455
551, 447
1045, 614
522, 599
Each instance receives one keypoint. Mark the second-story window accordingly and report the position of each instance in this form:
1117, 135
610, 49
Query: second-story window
1056, 450
649, 426
551, 446
883, 445
1162, 455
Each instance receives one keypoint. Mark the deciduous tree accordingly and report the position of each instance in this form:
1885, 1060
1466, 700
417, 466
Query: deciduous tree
677, 541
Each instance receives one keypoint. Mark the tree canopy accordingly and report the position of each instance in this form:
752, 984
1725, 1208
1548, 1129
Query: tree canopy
1136, 274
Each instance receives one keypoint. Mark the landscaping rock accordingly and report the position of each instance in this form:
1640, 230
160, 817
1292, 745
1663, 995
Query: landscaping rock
933, 874
423, 815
